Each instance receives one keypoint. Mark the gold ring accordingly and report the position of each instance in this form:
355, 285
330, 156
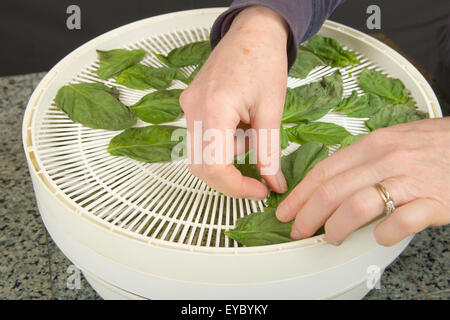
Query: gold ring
389, 206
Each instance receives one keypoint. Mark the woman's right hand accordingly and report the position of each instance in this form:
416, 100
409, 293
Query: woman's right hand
243, 81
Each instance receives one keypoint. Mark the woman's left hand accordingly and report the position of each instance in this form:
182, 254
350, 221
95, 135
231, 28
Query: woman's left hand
412, 161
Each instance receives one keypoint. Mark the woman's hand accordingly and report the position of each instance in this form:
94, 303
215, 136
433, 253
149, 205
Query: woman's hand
243, 82
412, 161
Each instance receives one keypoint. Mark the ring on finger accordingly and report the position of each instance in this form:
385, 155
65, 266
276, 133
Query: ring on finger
389, 206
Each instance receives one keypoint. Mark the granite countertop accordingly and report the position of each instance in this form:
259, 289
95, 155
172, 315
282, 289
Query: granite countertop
32, 266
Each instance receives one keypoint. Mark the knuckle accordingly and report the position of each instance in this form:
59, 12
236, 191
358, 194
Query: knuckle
185, 99
213, 113
214, 103
209, 103
358, 207
304, 228
326, 193
400, 158
218, 97
319, 172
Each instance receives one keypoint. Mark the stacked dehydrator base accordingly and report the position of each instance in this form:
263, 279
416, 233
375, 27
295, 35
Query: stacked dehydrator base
154, 231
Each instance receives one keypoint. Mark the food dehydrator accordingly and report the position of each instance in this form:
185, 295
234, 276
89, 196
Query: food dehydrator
154, 231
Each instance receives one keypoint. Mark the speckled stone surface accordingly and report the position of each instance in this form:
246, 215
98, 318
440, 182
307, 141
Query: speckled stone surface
32, 266
61, 273
24, 259
428, 258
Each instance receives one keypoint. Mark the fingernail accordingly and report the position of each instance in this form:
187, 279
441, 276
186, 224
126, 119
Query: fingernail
295, 234
332, 242
282, 212
281, 181
261, 197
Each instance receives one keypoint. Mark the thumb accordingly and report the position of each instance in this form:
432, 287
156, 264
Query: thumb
266, 143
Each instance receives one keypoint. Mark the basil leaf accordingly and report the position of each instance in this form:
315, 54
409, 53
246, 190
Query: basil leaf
291, 106
327, 133
113, 62
360, 106
159, 106
162, 58
94, 105
295, 166
392, 90
331, 51
142, 77
260, 228
148, 144
391, 115
187, 55
312, 101
284, 138
246, 164
350, 140
305, 62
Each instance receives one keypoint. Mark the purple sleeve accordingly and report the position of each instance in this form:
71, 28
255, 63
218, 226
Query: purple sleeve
304, 17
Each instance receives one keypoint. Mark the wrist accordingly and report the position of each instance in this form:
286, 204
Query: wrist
261, 21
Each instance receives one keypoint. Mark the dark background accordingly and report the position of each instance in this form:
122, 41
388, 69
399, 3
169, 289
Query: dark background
34, 35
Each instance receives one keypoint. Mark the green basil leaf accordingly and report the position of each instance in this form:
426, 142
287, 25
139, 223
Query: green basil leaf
187, 55
246, 164
113, 62
312, 101
162, 58
305, 62
284, 138
295, 166
350, 140
291, 106
260, 229
392, 90
147, 144
331, 51
360, 106
143, 77
94, 105
390, 115
159, 106
327, 133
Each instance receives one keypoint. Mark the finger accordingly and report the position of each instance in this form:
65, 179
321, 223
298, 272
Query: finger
266, 143
350, 157
409, 219
216, 113
217, 155
228, 180
329, 195
364, 206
